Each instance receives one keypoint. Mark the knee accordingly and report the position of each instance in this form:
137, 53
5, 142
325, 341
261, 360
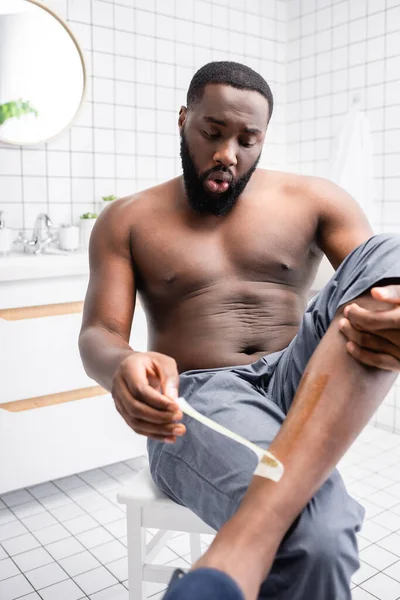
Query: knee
321, 544
383, 247
380, 240
327, 547
374, 263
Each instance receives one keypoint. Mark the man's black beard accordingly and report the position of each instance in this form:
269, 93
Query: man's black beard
199, 198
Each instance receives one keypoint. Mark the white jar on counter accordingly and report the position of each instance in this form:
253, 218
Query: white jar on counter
85, 226
68, 236
6, 236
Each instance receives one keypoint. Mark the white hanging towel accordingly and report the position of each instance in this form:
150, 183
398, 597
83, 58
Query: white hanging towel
352, 161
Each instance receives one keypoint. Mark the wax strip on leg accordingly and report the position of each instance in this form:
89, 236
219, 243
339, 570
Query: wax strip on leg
202, 584
268, 466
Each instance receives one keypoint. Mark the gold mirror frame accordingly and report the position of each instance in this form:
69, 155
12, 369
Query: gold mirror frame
84, 87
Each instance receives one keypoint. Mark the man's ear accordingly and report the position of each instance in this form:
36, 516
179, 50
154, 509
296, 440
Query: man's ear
182, 118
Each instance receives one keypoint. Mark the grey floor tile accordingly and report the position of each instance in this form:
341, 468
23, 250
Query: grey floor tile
96, 580
16, 498
33, 559
12, 530
116, 592
79, 563
95, 537
8, 569
21, 543
64, 548
6, 516
14, 587
65, 590
52, 534
46, 575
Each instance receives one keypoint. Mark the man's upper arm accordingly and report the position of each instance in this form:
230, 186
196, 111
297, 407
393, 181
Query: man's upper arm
110, 298
342, 224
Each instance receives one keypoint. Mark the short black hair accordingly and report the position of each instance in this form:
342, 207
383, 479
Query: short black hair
230, 73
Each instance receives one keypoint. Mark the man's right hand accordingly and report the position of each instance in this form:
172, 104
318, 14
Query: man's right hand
144, 389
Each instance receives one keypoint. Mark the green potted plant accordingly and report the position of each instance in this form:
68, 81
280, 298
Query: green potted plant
15, 108
86, 224
105, 200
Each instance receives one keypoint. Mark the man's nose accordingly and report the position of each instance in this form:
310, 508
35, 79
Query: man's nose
225, 155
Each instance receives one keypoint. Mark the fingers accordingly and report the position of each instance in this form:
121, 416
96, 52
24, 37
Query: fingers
148, 429
159, 425
142, 379
388, 293
373, 320
377, 341
373, 359
159, 437
138, 409
139, 391
169, 376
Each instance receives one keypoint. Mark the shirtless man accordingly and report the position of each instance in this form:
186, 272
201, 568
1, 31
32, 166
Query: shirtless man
222, 259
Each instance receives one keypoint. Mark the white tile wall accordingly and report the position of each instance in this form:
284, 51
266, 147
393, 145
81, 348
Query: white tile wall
140, 57
336, 49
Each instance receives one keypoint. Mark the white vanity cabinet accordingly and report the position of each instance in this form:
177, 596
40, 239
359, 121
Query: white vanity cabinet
54, 420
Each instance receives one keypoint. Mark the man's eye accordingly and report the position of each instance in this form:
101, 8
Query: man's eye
246, 144
211, 135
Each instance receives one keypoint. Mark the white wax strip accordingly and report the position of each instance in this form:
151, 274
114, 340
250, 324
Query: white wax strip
268, 466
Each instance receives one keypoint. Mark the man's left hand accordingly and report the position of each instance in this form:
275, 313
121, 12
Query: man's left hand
374, 336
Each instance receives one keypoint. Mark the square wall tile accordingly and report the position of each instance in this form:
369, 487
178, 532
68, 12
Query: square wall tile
103, 90
124, 44
10, 189
102, 13
59, 189
34, 162
82, 164
58, 163
103, 64
10, 161
104, 115
103, 38
124, 18
79, 10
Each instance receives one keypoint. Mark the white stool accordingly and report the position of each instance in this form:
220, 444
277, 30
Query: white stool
148, 507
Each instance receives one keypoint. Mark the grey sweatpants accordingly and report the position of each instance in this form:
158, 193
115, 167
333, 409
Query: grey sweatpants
210, 474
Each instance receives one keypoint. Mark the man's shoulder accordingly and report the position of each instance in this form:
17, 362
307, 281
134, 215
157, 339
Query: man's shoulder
131, 206
308, 186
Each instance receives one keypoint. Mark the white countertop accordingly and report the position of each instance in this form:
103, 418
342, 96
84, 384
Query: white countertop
22, 266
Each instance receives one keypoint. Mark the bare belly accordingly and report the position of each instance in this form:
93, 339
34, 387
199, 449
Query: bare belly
226, 324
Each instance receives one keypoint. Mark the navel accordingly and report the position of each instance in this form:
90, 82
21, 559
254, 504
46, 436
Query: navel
250, 350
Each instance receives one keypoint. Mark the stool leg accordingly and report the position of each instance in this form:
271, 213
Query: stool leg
136, 554
195, 546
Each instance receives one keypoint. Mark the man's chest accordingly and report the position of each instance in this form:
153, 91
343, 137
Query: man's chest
271, 247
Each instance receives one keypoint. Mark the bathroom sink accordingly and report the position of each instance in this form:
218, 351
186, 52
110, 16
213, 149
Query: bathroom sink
52, 263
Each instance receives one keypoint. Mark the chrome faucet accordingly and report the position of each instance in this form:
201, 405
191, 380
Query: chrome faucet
41, 235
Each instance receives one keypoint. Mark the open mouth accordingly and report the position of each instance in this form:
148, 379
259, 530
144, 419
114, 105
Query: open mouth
218, 182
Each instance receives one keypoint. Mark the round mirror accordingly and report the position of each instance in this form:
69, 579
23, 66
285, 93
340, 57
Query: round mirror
42, 73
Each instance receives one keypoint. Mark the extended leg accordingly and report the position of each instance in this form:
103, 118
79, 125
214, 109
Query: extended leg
336, 398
